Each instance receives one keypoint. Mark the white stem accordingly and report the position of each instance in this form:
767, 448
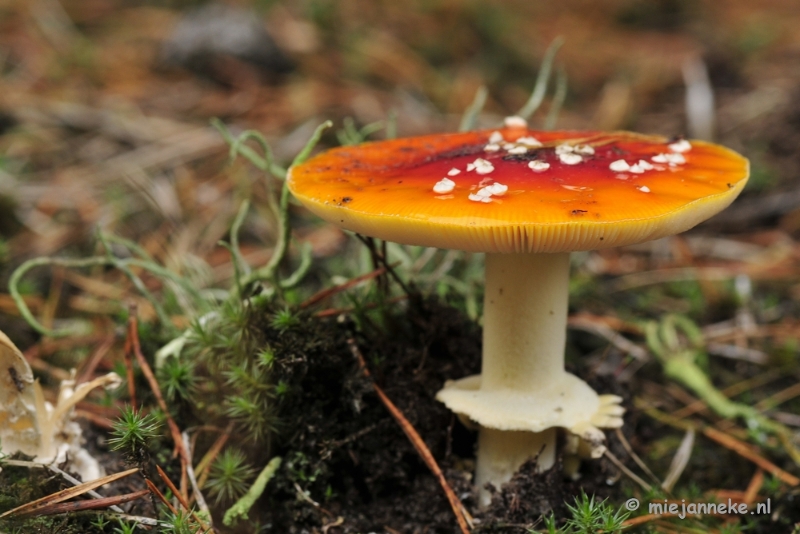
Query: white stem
524, 320
524, 334
502, 452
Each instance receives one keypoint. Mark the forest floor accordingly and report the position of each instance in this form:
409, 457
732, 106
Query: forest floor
106, 151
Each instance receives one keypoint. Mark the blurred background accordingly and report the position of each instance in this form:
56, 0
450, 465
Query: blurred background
105, 106
105, 109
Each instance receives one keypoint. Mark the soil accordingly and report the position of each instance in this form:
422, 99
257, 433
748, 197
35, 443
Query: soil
354, 460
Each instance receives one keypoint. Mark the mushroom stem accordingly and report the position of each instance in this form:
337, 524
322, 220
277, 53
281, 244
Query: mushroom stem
524, 334
502, 452
524, 320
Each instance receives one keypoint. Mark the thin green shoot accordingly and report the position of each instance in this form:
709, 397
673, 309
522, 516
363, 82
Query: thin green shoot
559, 97
542, 79
470, 116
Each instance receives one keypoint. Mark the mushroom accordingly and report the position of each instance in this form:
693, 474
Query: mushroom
33, 426
527, 210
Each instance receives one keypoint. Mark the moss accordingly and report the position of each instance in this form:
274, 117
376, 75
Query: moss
20, 485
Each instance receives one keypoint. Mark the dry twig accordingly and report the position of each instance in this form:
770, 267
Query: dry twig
754, 487
95, 359
635, 457
462, 516
133, 341
180, 498
34, 506
729, 442
205, 463
66, 476
630, 474
329, 292
92, 504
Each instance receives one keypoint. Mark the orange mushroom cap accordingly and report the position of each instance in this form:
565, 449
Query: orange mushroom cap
589, 190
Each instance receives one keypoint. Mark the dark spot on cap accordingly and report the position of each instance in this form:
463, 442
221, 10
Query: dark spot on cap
467, 150
578, 212
18, 383
347, 199
601, 238
530, 155
730, 186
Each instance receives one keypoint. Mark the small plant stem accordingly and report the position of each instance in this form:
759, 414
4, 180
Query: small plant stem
213, 452
181, 499
542, 79
172, 488
462, 516
235, 227
329, 292
621, 466
741, 448
624, 441
16, 277
198, 495
94, 261
391, 124
129, 374
735, 389
95, 359
679, 364
143, 520
129, 244
53, 297
370, 306
270, 271
471, 114
156, 492
136, 281
305, 265
133, 334
239, 148
312, 142
378, 260
239, 265
753, 487
558, 100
